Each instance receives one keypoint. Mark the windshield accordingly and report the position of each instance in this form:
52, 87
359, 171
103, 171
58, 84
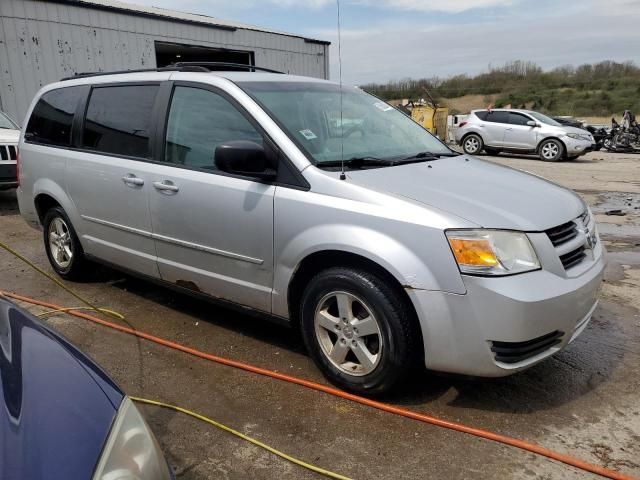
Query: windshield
369, 128
544, 119
5, 122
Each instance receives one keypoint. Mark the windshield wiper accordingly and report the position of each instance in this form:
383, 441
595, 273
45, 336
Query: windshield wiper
425, 157
358, 162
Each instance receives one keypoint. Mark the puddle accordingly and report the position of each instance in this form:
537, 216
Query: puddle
629, 203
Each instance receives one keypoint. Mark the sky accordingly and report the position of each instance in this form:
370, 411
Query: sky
393, 39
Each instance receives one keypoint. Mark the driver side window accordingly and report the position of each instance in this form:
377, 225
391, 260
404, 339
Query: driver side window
199, 121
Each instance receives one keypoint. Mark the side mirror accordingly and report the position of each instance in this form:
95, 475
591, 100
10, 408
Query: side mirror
243, 157
531, 123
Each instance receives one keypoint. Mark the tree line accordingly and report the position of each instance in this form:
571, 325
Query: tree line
595, 89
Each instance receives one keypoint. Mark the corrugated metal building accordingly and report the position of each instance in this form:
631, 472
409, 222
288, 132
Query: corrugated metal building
42, 41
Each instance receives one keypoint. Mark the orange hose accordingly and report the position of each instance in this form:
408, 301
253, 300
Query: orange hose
514, 442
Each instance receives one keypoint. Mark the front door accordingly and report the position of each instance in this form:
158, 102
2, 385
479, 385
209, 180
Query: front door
518, 134
213, 231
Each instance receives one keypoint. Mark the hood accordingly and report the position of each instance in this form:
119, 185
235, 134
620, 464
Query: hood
478, 191
56, 405
579, 131
9, 136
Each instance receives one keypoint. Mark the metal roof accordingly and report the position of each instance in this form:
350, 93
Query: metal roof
115, 5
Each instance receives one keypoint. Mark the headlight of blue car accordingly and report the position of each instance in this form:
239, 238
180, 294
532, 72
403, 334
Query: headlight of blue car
131, 451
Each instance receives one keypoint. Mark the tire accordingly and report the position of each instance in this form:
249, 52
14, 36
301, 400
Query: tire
63, 247
378, 344
551, 150
491, 151
472, 144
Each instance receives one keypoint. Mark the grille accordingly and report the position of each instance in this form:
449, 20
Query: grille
573, 258
562, 233
8, 152
514, 352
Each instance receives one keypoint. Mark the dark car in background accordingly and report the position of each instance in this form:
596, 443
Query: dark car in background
61, 416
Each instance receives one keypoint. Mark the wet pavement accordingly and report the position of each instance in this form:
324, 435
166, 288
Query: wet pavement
584, 401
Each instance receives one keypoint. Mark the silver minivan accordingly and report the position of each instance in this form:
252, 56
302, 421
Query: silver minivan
317, 205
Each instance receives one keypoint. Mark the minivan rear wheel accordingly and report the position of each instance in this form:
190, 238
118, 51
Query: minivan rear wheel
62, 245
358, 330
551, 150
472, 144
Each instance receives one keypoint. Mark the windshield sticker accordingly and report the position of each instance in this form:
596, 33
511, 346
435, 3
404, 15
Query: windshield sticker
385, 107
308, 134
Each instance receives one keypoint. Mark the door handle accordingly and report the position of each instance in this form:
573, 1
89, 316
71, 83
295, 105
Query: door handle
166, 186
132, 180
508, 129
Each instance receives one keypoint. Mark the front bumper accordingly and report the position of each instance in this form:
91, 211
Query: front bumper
459, 330
8, 175
577, 146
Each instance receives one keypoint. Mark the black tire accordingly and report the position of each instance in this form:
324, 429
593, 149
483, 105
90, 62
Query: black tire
472, 144
397, 339
491, 151
77, 268
551, 150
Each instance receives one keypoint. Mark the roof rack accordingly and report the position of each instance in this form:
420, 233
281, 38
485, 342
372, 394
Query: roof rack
178, 67
222, 65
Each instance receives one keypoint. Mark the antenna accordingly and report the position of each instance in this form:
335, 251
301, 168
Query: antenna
342, 174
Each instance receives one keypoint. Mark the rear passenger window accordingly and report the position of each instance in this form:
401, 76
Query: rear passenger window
52, 117
498, 117
482, 115
199, 121
118, 120
518, 119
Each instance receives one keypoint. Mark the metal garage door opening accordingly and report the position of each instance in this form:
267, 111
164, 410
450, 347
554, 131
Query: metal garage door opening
168, 53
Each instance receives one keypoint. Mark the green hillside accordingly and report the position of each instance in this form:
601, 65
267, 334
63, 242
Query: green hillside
598, 89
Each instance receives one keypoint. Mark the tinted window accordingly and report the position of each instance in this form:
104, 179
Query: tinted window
200, 120
498, 117
51, 120
118, 120
482, 115
518, 119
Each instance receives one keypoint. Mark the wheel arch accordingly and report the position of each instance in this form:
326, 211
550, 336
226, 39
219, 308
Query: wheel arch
552, 137
321, 260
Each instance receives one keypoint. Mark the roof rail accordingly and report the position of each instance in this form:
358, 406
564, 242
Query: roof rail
178, 67
222, 65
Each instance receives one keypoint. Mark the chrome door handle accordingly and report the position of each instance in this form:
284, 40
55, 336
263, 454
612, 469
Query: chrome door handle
132, 180
166, 186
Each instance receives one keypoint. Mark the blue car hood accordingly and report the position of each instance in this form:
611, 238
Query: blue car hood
56, 405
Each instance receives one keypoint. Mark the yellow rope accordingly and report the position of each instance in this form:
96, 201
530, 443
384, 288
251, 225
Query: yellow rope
308, 466
91, 306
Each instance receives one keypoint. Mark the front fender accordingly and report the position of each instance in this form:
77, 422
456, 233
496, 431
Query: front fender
398, 259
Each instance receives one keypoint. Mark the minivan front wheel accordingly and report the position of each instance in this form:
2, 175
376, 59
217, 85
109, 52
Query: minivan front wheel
358, 330
551, 150
62, 245
472, 144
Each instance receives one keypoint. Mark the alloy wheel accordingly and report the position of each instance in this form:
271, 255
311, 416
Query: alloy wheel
471, 144
60, 244
348, 333
550, 150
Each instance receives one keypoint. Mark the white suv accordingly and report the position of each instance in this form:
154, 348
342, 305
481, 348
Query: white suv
9, 136
522, 131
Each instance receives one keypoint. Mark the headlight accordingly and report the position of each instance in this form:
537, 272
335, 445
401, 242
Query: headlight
131, 451
574, 135
492, 252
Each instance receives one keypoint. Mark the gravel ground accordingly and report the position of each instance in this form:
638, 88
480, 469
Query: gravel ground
583, 401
